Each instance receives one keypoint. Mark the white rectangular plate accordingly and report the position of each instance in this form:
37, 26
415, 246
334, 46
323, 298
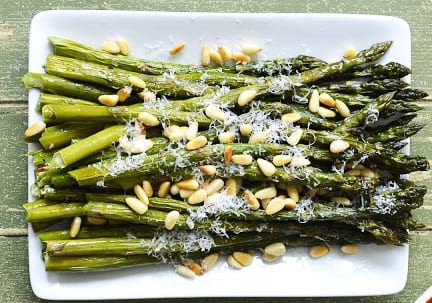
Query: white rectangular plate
375, 270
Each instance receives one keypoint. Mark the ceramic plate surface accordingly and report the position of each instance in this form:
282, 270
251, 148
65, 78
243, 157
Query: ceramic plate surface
375, 270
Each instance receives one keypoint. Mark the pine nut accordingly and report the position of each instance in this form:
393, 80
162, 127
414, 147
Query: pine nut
171, 219
251, 200
188, 184
295, 137
196, 143
147, 187
123, 94
140, 144
289, 118
367, 173
353, 172
240, 57
266, 167
243, 159
164, 189
185, 193
349, 248
246, 96
338, 146
300, 162
266, 193
185, 271
350, 52
214, 186
192, 130
111, 47
205, 55
225, 53
108, 100
96, 220
244, 258
209, 261
264, 203
245, 129
341, 200
216, 57
209, 170
195, 267
293, 192
280, 160
233, 262
227, 154
226, 137
269, 258
233, 186
250, 49
326, 99
124, 47
215, 113
314, 101
274, 206
147, 96
148, 119
289, 203
326, 113
75, 227
276, 249
259, 137
177, 48
35, 129
140, 193
136, 81
136, 205
318, 251
174, 189
342, 108
177, 135
198, 196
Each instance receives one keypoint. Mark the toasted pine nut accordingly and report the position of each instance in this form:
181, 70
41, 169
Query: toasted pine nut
111, 47
246, 96
185, 193
280, 160
192, 130
367, 173
123, 94
214, 112
350, 52
318, 251
140, 193
185, 271
341, 200
148, 119
147, 96
250, 49
216, 57
342, 108
209, 170
264, 203
244, 258
293, 192
214, 186
326, 99
35, 129
75, 227
188, 184
245, 129
136, 81
326, 113
269, 258
274, 206
227, 154
243, 159
353, 172
205, 55
314, 101
198, 196
226, 137
136, 205
96, 220
350, 248
240, 57
266, 167
276, 249
289, 118
233, 186
299, 162
164, 189
338, 146
171, 219
225, 53
259, 137
196, 143
251, 200
295, 137
266, 193
209, 261
108, 100
233, 262
177, 48
174, 189
289, 203
195, 267
124, 47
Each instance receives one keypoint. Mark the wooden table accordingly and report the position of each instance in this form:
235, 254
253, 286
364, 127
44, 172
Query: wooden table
15, 17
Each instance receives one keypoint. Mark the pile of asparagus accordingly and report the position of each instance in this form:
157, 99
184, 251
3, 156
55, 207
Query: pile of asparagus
154, 162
